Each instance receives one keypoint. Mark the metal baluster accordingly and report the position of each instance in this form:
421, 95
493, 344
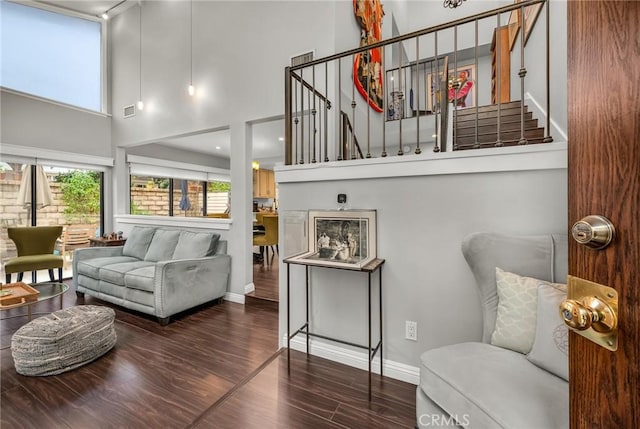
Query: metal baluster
301, 116
326, 112
313, 112
296, 120
436, 147
522, 73
417, 100
368, 104
456, 87
476, 144
498, 78
309, 134
401, 97
352, 146
339, 113
548, 138
384, 108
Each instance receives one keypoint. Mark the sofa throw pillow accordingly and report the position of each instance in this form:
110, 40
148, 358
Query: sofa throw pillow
551, 345
517, 305
138, 242
195, 245
162, 245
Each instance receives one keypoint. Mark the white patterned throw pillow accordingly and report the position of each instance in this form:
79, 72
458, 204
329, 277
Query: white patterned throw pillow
517, 307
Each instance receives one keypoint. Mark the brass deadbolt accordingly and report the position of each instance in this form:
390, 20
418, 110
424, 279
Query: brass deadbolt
594, 231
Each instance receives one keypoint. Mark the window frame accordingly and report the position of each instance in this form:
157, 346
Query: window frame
103, 54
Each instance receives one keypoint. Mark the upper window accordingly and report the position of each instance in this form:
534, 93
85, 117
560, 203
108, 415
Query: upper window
51, 55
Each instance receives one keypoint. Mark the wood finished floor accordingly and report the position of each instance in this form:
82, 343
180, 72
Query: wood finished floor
265, 280
215, 367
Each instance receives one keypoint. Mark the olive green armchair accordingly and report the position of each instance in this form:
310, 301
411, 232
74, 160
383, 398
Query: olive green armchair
35, 246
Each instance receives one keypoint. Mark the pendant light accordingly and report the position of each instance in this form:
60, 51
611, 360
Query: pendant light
140, 103
191, 89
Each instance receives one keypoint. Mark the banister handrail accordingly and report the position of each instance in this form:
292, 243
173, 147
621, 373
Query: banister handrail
307, 85
418, 33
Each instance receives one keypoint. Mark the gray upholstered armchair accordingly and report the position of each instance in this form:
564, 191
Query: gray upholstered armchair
516, 375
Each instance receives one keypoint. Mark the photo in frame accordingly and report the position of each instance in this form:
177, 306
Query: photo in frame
341, 238
464, 97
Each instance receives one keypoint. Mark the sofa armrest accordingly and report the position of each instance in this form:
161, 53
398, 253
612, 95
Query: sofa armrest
90, 253
186, 283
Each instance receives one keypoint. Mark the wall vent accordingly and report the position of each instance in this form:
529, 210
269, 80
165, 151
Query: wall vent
302, 58
129, 111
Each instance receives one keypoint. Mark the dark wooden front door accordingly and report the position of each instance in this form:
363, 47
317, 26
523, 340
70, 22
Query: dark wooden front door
604, 179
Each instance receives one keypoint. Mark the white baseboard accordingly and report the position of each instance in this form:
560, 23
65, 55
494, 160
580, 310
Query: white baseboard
249, 288
542, 114
356, 359
234, 297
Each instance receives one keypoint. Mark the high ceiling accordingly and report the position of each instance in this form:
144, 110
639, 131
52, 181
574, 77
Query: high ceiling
266, 136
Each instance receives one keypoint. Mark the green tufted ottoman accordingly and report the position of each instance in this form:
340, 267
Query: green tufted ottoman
63, 340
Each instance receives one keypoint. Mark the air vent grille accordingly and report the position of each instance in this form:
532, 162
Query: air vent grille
301, 59
129, 111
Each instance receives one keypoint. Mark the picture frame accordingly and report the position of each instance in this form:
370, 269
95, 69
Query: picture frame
514, 27
530, 16
433, 90
341, 238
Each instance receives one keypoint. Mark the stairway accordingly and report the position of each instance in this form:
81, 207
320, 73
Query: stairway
510, 132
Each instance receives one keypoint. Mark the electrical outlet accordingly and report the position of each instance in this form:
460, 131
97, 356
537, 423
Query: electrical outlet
411, 330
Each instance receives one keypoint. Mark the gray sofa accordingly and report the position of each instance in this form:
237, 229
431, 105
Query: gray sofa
482, 385
159, 271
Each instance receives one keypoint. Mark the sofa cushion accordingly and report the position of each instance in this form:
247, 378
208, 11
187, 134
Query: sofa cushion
141, 278
138, 241
551, 346
195, 245
494, 387
541, 256
517, 307
162, 246
91, 267
114, 273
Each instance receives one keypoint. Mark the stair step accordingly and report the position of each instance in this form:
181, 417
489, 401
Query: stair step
489, 114
493, 128
493, 144
490, 108
493, 137
471, 122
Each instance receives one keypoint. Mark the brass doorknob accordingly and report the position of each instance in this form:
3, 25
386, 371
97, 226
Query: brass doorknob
588, 312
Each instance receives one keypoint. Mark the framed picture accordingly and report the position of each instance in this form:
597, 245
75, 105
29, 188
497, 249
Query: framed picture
530, 15
464, 97
341, 238
514, 27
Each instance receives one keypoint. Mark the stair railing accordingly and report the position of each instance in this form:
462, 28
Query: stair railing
310, 128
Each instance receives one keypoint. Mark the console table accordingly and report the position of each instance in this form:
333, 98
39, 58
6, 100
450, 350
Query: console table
370, 268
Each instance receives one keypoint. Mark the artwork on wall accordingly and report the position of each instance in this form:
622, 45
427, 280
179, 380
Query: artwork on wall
530, 16
464, 96
342, 238
367, 66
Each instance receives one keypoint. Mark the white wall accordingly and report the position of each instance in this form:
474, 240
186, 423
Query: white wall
180, 155
422, 220
240, 51
32, 122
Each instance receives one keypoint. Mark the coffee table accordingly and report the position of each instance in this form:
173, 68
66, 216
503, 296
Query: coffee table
48, 290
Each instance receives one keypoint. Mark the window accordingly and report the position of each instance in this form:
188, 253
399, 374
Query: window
51, 55
66, 196
151, 196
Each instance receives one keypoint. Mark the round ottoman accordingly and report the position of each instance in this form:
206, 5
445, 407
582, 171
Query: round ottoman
63, 340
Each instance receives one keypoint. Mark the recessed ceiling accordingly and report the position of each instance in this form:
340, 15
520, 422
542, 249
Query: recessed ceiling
267, 146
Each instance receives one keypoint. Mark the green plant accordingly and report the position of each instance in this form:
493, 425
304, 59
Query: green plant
80, 194
135, 210
219, 187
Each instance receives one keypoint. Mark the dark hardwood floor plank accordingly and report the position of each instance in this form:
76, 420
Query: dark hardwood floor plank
19, 408
211, 367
